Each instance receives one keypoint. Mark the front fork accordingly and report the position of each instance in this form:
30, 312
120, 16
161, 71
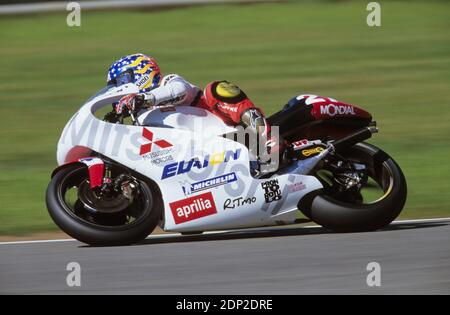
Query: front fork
96, 170
100, 177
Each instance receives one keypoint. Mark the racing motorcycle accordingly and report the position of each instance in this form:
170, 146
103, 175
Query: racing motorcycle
120, 177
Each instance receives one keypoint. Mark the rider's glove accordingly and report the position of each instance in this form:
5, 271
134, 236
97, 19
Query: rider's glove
132, 102
112, 117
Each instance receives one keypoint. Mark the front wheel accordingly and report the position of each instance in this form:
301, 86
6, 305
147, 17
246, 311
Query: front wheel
364, 190
122, 216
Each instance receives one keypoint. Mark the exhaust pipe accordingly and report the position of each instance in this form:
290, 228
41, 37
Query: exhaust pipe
354, 138
307, 165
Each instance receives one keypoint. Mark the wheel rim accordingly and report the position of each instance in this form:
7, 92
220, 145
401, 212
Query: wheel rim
380, 179
118, 219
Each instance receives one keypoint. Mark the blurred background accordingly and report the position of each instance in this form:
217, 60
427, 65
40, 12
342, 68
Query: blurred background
400, 72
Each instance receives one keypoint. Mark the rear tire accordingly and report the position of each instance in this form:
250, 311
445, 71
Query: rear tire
347, 217
115, 232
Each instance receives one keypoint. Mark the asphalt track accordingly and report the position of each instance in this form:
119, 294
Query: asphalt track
414, 259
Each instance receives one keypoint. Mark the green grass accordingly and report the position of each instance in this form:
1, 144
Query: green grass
400, 72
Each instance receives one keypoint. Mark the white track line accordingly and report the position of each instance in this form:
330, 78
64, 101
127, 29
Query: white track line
61, 6
218, 232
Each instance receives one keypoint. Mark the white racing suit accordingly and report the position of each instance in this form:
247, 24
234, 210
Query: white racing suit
174, 90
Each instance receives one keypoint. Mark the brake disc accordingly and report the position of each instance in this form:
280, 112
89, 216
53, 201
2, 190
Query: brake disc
97, 201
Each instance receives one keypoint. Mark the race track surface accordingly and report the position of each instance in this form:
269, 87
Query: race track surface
414, 259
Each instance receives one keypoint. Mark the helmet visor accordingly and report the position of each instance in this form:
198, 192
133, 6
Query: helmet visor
124, 78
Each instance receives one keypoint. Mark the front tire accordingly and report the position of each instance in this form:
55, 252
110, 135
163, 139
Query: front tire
345, 216
127, 227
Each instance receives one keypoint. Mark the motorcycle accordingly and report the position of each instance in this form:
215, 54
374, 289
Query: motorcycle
176, 168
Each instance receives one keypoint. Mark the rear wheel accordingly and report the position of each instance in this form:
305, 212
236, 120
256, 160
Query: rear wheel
122, 215
364, 190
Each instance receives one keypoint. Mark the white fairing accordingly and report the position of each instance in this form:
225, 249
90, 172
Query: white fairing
204, 178
184, 117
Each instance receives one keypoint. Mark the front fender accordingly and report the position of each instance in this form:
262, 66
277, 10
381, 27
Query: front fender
95, 166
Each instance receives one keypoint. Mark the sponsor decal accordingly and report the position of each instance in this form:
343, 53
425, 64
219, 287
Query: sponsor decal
272, 191
309, 152
164, 151
299, 144
305, 148
183, 167
193, 208
332, 110
229, 108
161, 156
143, 81
147, 148
238, 202
303, 144
190, 189
296, 187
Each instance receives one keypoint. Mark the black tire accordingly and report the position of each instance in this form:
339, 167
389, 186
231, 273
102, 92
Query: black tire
96, 234
346, 217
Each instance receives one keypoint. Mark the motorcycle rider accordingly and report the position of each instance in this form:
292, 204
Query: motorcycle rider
222, 98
